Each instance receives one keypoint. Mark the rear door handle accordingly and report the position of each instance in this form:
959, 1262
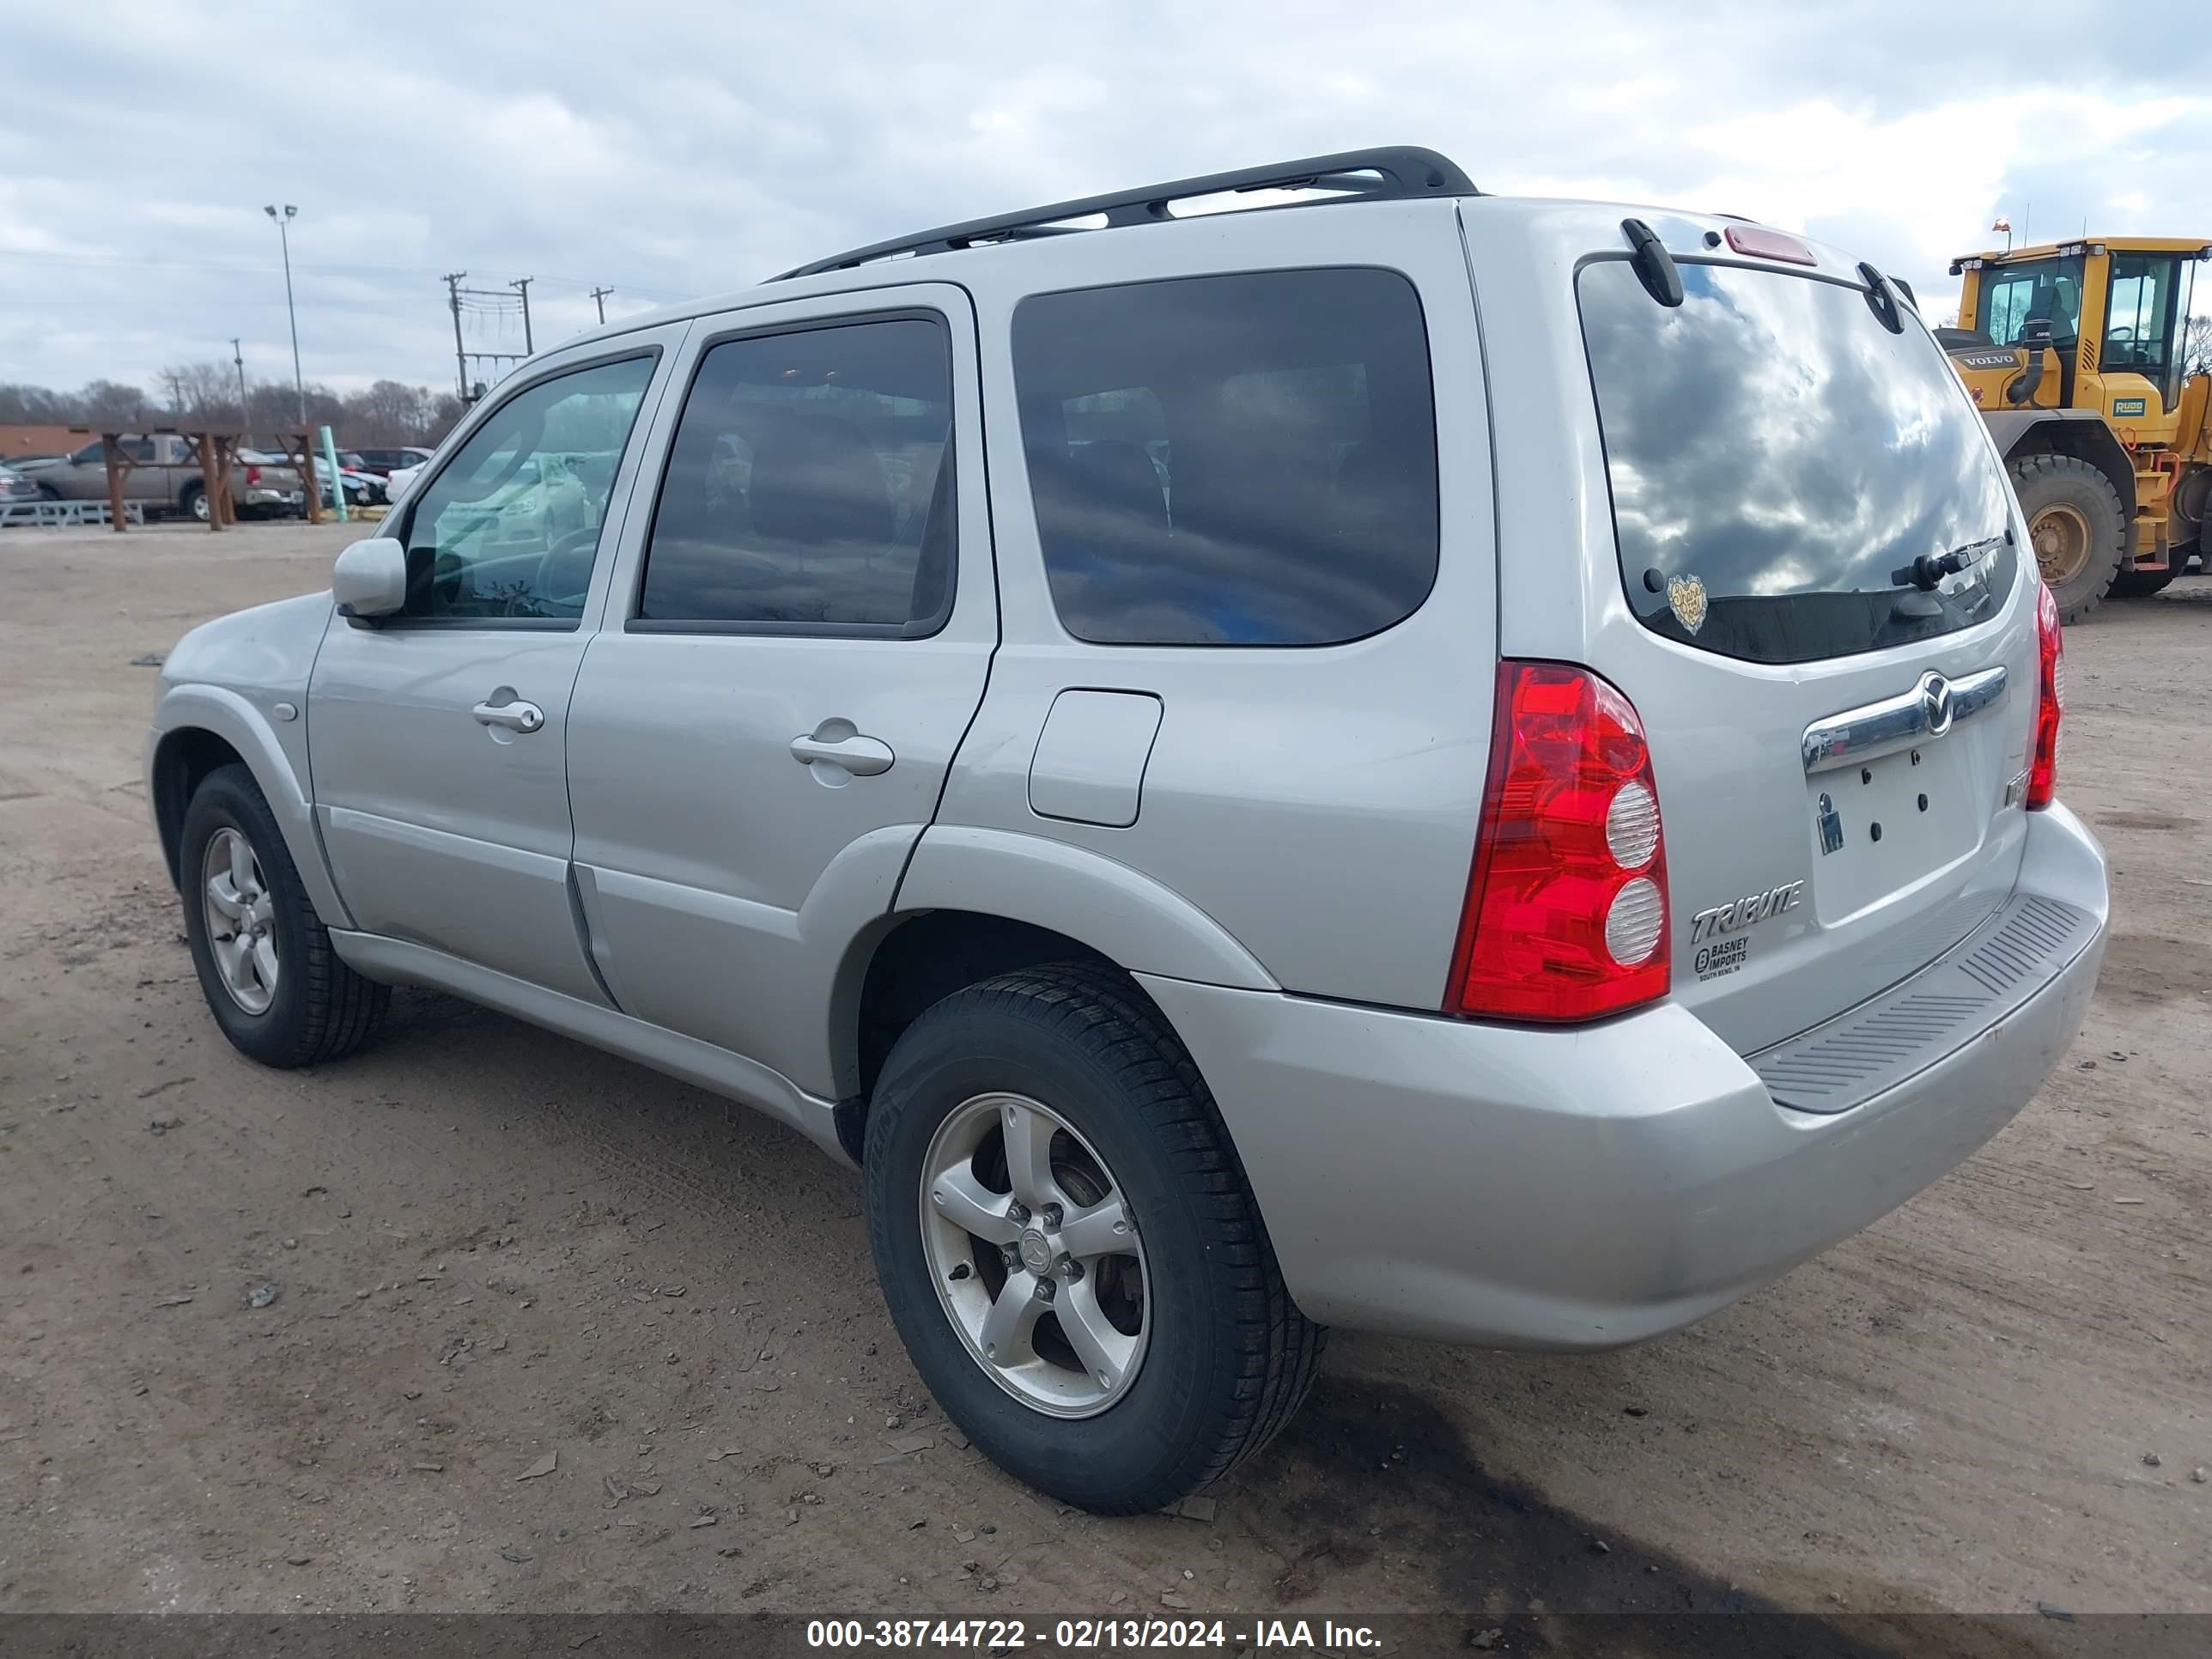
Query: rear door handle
835, 743
515, 716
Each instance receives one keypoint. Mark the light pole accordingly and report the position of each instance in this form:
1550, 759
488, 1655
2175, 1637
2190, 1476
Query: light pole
238, 358
283, 235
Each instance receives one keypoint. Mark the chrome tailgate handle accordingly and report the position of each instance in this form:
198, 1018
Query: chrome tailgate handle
1929, 710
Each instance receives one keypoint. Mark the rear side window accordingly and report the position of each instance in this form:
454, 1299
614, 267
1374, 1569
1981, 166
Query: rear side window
1245, 459
1779, 461
810, 488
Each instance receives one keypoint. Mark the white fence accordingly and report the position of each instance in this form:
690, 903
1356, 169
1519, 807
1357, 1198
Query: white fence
62, 513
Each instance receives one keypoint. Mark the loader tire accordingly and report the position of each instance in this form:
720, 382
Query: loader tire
2142, 584
2075, 528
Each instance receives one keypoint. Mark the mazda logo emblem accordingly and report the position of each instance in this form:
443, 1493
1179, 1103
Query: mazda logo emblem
1936, 703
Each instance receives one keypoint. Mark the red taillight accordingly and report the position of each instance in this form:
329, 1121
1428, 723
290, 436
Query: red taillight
2050, 703
1566, 909
253, 475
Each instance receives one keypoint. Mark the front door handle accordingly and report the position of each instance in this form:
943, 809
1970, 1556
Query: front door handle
837, 743
515, 715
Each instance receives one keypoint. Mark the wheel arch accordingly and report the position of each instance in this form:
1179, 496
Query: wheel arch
978, 903
199, 728
2081, 434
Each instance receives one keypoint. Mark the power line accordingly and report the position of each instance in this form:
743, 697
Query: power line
471, 299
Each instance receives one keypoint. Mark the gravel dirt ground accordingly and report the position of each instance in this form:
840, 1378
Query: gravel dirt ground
549, 1331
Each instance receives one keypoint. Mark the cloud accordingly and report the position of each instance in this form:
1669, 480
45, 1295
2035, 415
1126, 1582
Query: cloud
670, 150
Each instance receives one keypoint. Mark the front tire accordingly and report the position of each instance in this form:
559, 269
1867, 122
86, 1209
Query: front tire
2075, 527
264, 958
1068, 1246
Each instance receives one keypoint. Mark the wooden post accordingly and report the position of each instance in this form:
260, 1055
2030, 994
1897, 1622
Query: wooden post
226, 458
210, 482
307, 472
112, 453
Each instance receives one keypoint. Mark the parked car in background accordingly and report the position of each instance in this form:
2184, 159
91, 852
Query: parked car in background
361, 488
165, 477
14, 487
398, 478
384, 461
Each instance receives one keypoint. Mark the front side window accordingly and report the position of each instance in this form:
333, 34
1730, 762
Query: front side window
810, 486
510, 528
1779, 461
1246, 459
2041, 290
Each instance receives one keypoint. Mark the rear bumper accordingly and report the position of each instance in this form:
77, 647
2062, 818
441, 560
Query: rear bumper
1586, 1188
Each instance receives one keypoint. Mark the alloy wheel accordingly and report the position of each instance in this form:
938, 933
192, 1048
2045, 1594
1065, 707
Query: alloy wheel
1035, 1253
241, 923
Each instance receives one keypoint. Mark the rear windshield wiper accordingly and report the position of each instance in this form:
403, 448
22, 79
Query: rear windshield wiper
1929, 568
1925, 572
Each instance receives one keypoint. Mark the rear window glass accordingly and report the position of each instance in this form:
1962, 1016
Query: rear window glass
1245, 459
1779, 461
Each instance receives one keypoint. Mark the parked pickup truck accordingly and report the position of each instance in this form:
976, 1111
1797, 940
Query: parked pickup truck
165, 475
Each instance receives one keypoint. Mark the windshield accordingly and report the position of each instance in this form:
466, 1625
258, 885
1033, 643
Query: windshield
1780, 460
2039, 290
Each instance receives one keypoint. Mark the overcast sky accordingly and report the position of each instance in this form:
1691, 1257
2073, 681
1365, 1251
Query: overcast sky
691, 150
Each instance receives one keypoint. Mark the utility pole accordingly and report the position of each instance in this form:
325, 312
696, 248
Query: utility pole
462, 355
283, 235
460, 352
176, 391
238, 358
599, 299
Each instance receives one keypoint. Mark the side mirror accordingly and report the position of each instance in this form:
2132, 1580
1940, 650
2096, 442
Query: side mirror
2035, 340
370, 577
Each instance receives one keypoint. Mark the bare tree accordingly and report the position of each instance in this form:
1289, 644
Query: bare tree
2196, 346
203, 391
35, 405
446, 412
107, 403
389, 413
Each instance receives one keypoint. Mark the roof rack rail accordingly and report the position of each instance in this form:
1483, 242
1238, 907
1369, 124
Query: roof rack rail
1392, 172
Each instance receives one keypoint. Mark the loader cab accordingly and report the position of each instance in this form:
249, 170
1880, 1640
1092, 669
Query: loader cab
2116, 311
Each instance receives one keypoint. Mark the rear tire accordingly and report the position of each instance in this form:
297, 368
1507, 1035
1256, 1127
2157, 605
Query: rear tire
194, 502
1222, 1357
2075, 527
293, 1003
2142, 584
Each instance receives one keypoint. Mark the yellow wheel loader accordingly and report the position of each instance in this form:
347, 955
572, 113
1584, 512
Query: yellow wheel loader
2074, 352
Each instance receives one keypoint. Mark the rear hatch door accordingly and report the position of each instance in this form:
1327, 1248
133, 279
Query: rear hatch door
1839, 726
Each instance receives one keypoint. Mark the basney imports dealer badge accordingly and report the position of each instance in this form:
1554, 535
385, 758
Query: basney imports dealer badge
1686, 598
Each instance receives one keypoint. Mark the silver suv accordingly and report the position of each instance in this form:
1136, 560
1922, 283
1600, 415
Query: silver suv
1400, 758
